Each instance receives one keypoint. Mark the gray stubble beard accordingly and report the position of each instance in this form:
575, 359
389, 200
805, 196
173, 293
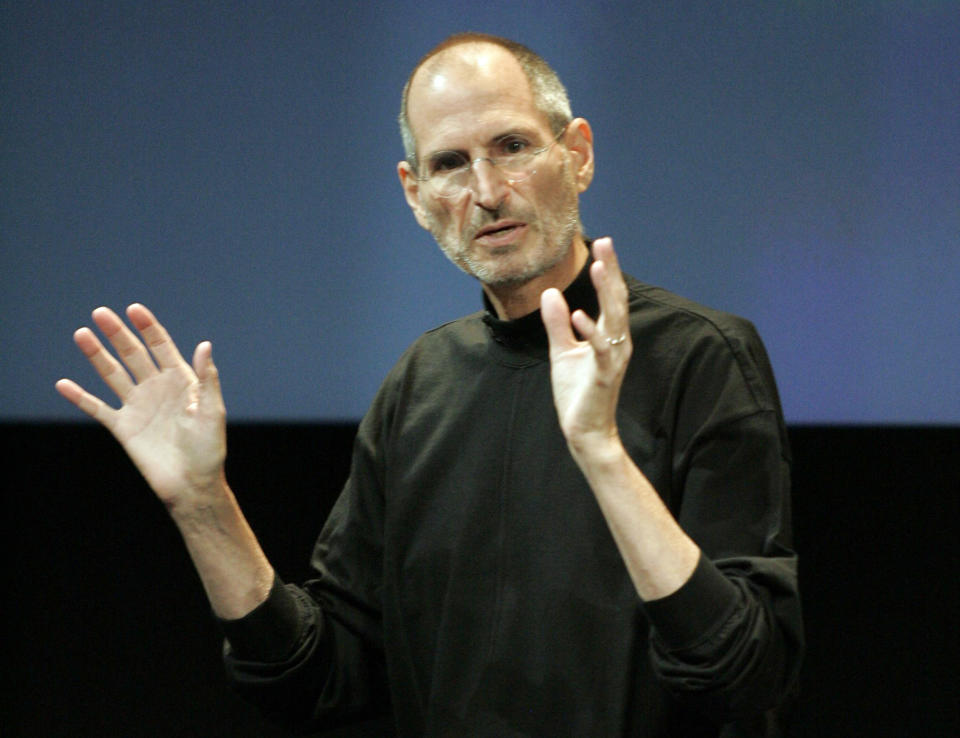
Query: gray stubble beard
541, 260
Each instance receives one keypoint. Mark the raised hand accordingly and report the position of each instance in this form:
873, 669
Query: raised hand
172, 424
172, 419
587, 374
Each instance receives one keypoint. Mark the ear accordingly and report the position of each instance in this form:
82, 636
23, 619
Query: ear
411, 191
579, 142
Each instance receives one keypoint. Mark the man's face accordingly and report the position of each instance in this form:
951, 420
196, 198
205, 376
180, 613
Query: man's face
501, 233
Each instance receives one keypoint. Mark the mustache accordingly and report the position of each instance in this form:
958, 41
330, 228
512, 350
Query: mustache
482, 218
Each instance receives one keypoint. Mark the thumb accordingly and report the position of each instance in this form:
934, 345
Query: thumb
210, 396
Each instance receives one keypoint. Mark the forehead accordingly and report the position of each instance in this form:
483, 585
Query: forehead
469, 92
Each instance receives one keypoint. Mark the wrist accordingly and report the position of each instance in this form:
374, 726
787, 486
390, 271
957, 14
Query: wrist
596, 449
200, 499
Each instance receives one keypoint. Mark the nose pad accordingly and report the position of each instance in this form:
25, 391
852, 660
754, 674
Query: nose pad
488, 184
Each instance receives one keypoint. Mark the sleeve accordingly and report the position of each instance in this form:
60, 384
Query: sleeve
730, 641
312, 655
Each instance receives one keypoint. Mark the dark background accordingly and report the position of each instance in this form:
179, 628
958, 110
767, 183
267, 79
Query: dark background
108, 633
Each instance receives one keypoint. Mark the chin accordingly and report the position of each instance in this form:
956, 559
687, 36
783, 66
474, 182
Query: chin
509, 272
509, 265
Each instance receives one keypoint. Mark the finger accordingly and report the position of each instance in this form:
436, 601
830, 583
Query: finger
585, 325
611, 298
131, 351
599, 342
156, 337
203, 360
211, 397
109, 369
556, 319
91, 405
611, 289
603, 251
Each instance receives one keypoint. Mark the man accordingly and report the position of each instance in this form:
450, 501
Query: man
567, 515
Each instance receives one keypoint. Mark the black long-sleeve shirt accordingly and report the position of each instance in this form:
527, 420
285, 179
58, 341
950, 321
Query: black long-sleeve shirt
467, 581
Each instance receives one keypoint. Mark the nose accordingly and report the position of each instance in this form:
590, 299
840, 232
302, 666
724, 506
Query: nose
490, 184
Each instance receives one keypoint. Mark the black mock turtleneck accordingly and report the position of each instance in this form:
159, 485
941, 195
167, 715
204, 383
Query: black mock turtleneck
527, 334
468, 573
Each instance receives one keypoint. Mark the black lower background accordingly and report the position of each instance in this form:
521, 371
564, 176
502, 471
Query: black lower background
107, 631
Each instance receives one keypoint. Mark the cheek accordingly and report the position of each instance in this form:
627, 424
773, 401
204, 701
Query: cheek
441, 221
448, 214
563, 189
432, 211
550, 186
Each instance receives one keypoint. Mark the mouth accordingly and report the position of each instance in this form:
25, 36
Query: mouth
499, 233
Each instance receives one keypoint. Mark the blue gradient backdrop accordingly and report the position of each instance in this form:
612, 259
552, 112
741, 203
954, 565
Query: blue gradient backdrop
232, 165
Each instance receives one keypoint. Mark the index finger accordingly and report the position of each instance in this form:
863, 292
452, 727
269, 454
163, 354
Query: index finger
155, 336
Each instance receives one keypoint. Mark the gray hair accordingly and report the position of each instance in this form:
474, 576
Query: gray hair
549, 94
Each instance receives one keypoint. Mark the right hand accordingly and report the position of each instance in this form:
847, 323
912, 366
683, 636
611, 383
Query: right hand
172, 422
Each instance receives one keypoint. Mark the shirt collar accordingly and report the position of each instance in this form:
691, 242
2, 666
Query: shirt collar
527, 334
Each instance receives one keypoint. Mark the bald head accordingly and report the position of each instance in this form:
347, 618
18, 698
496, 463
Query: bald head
482, 58
482, 64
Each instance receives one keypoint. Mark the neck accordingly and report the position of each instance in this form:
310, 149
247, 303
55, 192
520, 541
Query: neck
516, 300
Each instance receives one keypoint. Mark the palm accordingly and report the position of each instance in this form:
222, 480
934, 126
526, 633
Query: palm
170, 424
161, 429
586, 374
581, 390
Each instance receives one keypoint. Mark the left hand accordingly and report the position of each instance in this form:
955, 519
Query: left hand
587, 374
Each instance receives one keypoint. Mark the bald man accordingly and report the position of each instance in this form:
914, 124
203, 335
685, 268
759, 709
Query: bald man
567, 514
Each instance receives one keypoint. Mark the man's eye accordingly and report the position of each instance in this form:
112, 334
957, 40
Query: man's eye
447, 162
513, 146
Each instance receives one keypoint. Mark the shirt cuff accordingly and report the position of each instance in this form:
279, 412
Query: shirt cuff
270, 631
696, 610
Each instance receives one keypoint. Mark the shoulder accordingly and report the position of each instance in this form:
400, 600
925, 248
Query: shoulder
461, 337
660, 308
427, 368
439, 353
696, 341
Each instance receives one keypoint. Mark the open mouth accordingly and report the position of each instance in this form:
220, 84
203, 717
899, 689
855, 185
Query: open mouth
499, 231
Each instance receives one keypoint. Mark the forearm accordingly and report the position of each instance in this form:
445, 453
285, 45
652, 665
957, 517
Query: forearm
233, 568
658, 555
